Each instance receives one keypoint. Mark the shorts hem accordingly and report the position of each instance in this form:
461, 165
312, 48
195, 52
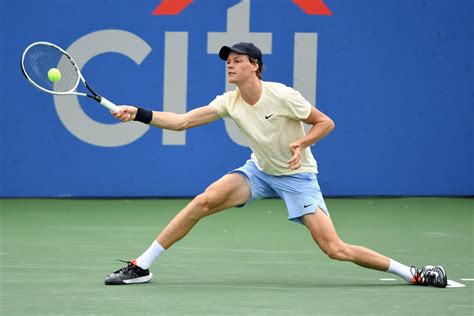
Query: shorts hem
297, 218
246, 176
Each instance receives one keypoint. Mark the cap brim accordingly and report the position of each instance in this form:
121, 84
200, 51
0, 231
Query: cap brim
225, 51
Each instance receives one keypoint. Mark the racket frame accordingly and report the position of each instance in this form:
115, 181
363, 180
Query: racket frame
100, 99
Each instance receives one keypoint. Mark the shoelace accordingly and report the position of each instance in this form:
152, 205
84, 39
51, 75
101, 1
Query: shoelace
128, 267
424, 276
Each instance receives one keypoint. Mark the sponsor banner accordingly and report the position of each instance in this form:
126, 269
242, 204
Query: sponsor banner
395, 76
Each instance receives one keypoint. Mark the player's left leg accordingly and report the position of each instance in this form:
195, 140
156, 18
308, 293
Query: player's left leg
324, 234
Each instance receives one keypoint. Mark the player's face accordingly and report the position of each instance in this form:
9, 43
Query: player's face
239, 68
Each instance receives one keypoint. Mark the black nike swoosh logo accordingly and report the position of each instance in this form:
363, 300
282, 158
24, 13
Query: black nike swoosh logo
268, 116
305, 206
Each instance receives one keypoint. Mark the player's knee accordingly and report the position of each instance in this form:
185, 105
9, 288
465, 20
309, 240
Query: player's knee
201, 206
336, 251
205, 203
214, 199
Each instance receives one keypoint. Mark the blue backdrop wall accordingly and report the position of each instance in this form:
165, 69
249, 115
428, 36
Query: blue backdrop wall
396, 76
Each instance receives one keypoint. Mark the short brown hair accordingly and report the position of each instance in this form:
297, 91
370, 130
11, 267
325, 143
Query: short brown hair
254, 61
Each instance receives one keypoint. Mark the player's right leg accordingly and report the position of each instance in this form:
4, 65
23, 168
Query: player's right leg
230, 190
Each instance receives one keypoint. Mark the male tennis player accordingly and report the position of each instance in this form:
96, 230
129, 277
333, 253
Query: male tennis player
271, 117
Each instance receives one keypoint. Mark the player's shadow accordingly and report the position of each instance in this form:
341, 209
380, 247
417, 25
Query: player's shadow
278, 284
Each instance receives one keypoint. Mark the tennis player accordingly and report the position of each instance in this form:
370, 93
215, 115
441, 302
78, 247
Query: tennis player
271, 117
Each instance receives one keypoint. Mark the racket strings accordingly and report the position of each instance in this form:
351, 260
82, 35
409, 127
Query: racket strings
39, 59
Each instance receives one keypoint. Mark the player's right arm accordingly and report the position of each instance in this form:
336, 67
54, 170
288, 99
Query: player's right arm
172, 121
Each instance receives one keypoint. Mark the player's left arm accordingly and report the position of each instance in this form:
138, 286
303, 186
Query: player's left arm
322, 125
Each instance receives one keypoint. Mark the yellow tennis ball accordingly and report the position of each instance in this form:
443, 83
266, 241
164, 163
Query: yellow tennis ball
54, 75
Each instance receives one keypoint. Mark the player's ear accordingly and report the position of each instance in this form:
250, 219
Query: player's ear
254, 64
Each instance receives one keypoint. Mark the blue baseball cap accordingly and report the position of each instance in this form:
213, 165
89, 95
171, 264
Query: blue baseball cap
248, 49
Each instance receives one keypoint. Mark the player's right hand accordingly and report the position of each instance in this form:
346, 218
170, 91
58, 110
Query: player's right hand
126, 113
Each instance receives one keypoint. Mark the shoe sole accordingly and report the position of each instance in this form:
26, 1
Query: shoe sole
142, 279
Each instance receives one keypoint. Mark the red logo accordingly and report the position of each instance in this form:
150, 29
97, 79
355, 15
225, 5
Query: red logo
171, 7
174, 7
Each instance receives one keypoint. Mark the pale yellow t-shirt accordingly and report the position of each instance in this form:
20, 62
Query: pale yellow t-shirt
270, 125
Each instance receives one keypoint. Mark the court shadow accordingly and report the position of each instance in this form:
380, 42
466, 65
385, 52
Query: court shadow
281, 284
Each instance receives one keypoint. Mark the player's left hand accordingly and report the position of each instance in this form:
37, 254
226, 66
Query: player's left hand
295, 161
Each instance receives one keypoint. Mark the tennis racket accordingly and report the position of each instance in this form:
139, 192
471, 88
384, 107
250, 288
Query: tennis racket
40, 57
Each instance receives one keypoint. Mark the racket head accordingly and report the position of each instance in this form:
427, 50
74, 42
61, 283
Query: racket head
39, 57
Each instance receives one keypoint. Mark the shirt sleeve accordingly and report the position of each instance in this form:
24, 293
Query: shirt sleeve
220, 103
297, 106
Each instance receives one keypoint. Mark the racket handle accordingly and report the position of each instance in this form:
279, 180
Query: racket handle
109, 105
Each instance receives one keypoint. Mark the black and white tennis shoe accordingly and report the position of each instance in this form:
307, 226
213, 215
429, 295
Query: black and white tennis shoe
429, 276
131, 274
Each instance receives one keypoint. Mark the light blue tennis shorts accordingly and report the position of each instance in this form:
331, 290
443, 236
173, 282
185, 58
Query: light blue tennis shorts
300, 192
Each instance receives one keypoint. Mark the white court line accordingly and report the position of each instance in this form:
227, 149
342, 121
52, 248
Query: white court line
452, 283
467, 279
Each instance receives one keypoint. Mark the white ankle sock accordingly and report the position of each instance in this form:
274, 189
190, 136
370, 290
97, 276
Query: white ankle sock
150, 255
401, 270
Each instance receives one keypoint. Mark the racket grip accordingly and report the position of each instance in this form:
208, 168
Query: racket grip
109, 105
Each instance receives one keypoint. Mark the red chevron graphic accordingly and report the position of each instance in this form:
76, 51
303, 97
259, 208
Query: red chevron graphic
174, 7
171, 7
313, 7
